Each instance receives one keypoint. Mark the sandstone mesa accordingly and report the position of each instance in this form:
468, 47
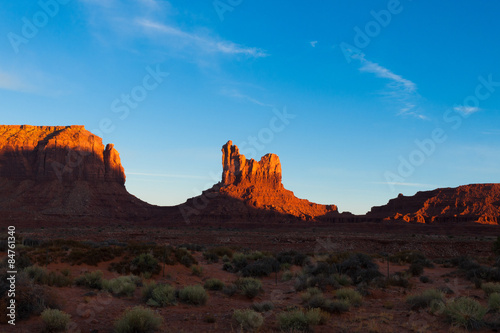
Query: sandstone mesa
67, 172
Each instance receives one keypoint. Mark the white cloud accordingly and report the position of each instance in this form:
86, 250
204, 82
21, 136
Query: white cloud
379, 71
237, 94
466, 109
399, 90
313, 43
207, 44
13, 83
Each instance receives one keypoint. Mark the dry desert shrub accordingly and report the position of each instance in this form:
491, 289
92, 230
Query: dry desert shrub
248, 320
55, 320
138, 320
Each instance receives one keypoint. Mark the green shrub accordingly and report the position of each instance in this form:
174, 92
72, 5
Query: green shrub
416, 269
145, 263
138, 320
197, 270
221, 251
261, 267
336, 306
263, 307
292, 257
494, 302
158, 295
411, 257
351, 296
248, 320
490, 288
424, 279
210, 257
424, 299
436, 306
37, 274
249, 287
195, 295
298, 320
90, 279
122, 285
184, 257
238, 262
316, 301
287, 276
31, 298
311, 292
360, 268
213, 284
41, 275
342, 279
465, 312
55, 320
230, 289
398, 279
314, 317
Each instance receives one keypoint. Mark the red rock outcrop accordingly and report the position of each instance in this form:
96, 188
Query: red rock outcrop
63, 171
65, 153
239, 171
252, 188
469, 203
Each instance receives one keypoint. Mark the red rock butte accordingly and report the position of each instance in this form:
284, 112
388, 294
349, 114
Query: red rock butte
66, 173
66, 153
62, 171
468, 203
248, 188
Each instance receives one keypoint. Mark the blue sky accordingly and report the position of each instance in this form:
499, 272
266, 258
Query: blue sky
361, 100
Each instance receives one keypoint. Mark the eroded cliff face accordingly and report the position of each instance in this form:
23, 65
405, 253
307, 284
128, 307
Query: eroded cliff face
62, 172
249, 187
238, 171
64, 153
469, 203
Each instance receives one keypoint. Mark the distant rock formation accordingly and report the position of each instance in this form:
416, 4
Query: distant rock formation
239, 171
64, 153
62, 171
252, 188
469, 203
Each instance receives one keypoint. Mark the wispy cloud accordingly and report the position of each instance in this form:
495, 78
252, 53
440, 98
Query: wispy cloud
166, 175
313, 43
466, 110
237, 94
398, 81
13, 83
205, 43
399, 90
491, 132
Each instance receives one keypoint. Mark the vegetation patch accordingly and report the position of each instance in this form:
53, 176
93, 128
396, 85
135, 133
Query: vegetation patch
195, 295
55, 320
248, 320
138, 320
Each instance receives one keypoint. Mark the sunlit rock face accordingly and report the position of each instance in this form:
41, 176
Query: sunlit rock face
51, 172
64, 153
468, 203
249, 188
239, 171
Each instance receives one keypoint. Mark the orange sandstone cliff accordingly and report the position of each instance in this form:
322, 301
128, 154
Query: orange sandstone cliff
468, 203
249, 189
62, 171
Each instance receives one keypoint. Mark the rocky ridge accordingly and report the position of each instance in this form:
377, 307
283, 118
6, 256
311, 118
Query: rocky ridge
249, 188
468, 203
62, 171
